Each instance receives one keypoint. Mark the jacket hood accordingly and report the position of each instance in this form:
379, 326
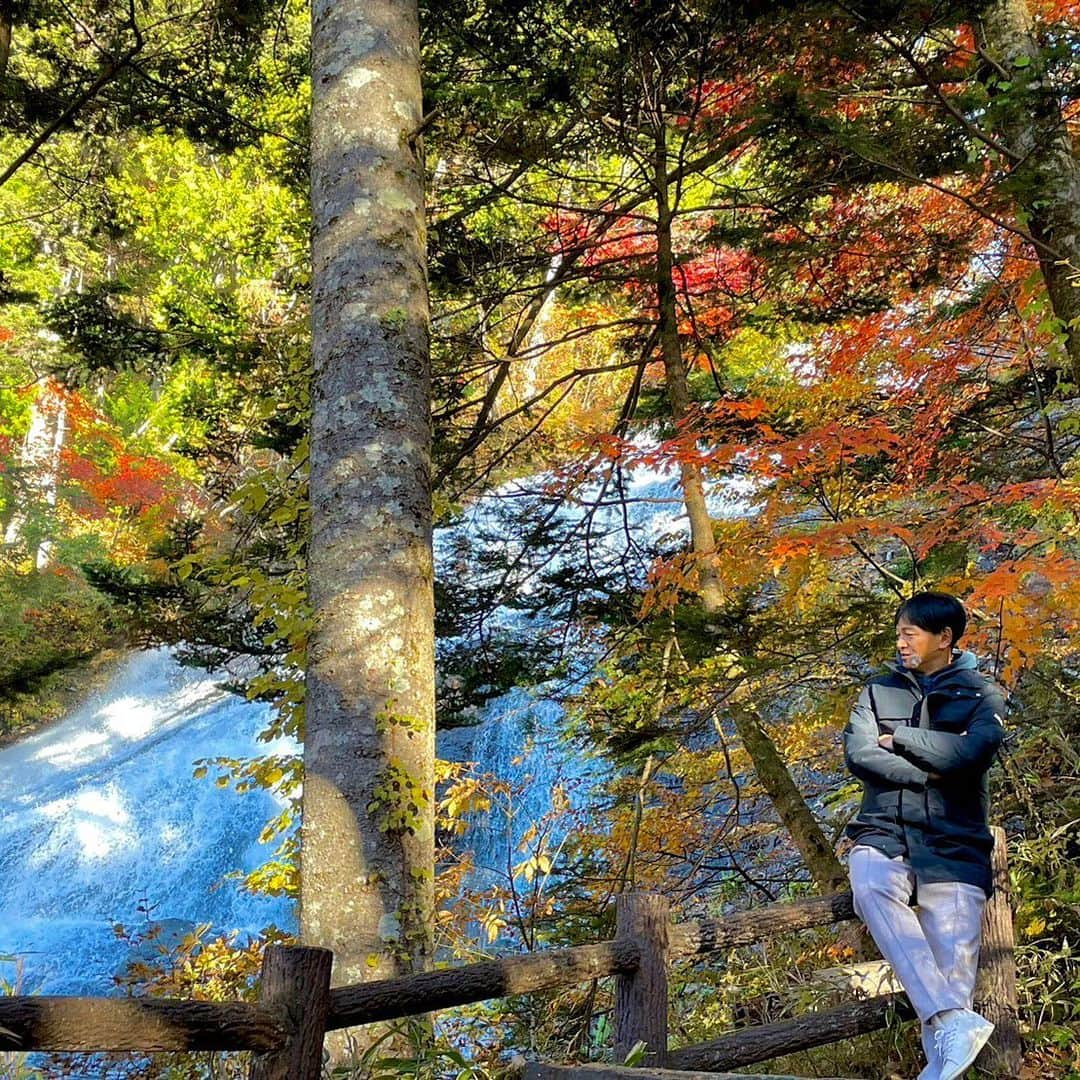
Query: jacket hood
966, 661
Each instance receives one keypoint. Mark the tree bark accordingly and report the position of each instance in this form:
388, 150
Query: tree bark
995, 987
1045, 168
296, 983
367, 840
641, 996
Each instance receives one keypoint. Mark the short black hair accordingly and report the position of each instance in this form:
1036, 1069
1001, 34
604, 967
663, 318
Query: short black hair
933, 612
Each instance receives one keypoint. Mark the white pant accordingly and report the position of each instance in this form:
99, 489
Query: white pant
934, 952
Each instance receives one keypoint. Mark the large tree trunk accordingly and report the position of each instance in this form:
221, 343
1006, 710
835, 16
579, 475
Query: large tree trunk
367, 841
1046, 170
769, 766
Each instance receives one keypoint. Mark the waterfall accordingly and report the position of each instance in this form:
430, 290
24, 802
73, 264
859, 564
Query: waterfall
519, 740
520, 743
103, 823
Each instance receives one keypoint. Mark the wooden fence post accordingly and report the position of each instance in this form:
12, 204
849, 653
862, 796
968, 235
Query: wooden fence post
295, 981
641, 998
995, 987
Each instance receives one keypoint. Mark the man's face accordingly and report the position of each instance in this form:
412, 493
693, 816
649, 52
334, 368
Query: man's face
921, 650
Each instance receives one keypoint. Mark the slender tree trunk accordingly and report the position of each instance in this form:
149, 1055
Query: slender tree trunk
772, 773
1046, 169
367, 841
769, 767
701, 526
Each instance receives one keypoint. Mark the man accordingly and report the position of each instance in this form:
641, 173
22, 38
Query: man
921, 738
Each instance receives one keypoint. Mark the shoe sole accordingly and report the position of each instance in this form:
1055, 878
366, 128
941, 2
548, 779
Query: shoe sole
976, 1049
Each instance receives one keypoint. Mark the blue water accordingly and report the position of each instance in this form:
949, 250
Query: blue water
103, 823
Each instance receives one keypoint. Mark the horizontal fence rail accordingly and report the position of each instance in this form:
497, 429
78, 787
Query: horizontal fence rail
535, 1070
747, 1046
388, 999
748, 927
137, 1024
159, 1024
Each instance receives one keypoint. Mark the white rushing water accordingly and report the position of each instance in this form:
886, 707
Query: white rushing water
618, 522
103, 823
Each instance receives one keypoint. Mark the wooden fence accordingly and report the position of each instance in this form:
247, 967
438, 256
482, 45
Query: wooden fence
297, 1006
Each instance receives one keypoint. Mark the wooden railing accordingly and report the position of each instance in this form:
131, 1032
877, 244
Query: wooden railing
297, 1006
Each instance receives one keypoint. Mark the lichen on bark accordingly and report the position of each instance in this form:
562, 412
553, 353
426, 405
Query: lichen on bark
366, 877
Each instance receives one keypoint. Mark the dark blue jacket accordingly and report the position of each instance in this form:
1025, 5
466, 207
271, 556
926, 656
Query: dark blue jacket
927, 798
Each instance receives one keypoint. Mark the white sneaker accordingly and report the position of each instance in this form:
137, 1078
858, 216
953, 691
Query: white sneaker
933, 1065
958, 1041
